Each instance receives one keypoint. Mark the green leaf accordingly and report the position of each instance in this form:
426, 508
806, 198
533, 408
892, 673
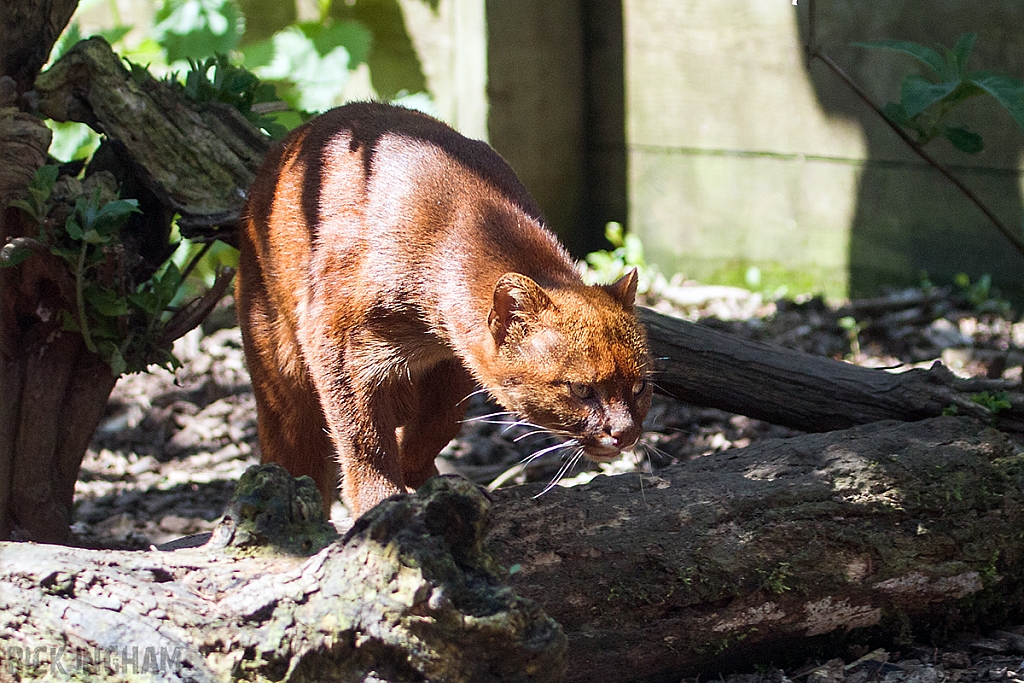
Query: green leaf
25, 206
112, 354
147, 302
112, 35
68, 322
927, 56
94, 237
73, 228
115, 213
964, 91
198, 28
72, 34
259, 54
106, 301
962, 52
894, 112
351, 35
315, 60
45, 178
918, 93
167, 286
613, 233
1009, 92
634, 251
963, 139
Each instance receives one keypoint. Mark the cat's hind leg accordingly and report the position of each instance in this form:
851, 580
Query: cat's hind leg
290, 421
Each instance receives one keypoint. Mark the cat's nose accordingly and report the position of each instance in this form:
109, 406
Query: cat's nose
623, 438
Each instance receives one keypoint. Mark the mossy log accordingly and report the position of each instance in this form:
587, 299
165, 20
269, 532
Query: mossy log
197, 158
764, 554
779, 551
409, 595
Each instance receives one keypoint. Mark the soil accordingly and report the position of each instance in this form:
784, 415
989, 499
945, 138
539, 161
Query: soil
164, 461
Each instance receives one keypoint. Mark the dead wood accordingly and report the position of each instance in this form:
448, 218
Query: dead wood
884, 530
409, 595
768, 554
197, 158
705, 367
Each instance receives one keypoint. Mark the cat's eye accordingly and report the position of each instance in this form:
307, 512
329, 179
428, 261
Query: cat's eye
639, 387
581, 390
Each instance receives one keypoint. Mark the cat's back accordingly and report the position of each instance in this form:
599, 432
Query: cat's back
350, 157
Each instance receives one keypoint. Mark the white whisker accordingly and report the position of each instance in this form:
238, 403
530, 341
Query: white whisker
521, 466
562, 471
531, 433
471, 394
484, 418
544, 451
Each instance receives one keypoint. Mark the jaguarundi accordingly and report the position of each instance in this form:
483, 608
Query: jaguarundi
388, 266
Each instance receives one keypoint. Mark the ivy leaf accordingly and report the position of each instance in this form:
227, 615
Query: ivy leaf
925, 55
918, 93
1009, 92
964, 139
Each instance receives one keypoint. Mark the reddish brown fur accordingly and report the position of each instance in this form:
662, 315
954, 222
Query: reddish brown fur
387, 266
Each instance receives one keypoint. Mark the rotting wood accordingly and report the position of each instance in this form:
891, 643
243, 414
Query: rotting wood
409, 595
699, 365
751, 554
765, 554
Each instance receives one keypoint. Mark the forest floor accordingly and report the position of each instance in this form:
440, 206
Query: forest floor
164, 461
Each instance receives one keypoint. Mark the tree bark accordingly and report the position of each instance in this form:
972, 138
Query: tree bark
198, 158
28, 31
53, 390
888, 530
761, 554
705, 367
409, 596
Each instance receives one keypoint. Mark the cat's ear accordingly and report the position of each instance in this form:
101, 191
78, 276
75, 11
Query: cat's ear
517, 299
623, 290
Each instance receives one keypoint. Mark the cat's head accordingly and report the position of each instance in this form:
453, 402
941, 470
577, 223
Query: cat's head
573, 359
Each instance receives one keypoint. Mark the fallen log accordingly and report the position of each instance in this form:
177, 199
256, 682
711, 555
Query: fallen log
774, 552
699, 365
760, 554
410, 595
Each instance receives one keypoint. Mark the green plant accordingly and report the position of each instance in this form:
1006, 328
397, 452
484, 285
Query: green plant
994, 401
194, 29
119, 321
982, 295
310, 62
234, 85
926, 100
627, 253
852, 328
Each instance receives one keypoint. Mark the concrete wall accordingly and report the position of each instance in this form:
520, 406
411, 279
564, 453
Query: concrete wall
739, 156
699, 124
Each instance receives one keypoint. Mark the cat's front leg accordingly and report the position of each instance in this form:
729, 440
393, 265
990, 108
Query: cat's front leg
363, 408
